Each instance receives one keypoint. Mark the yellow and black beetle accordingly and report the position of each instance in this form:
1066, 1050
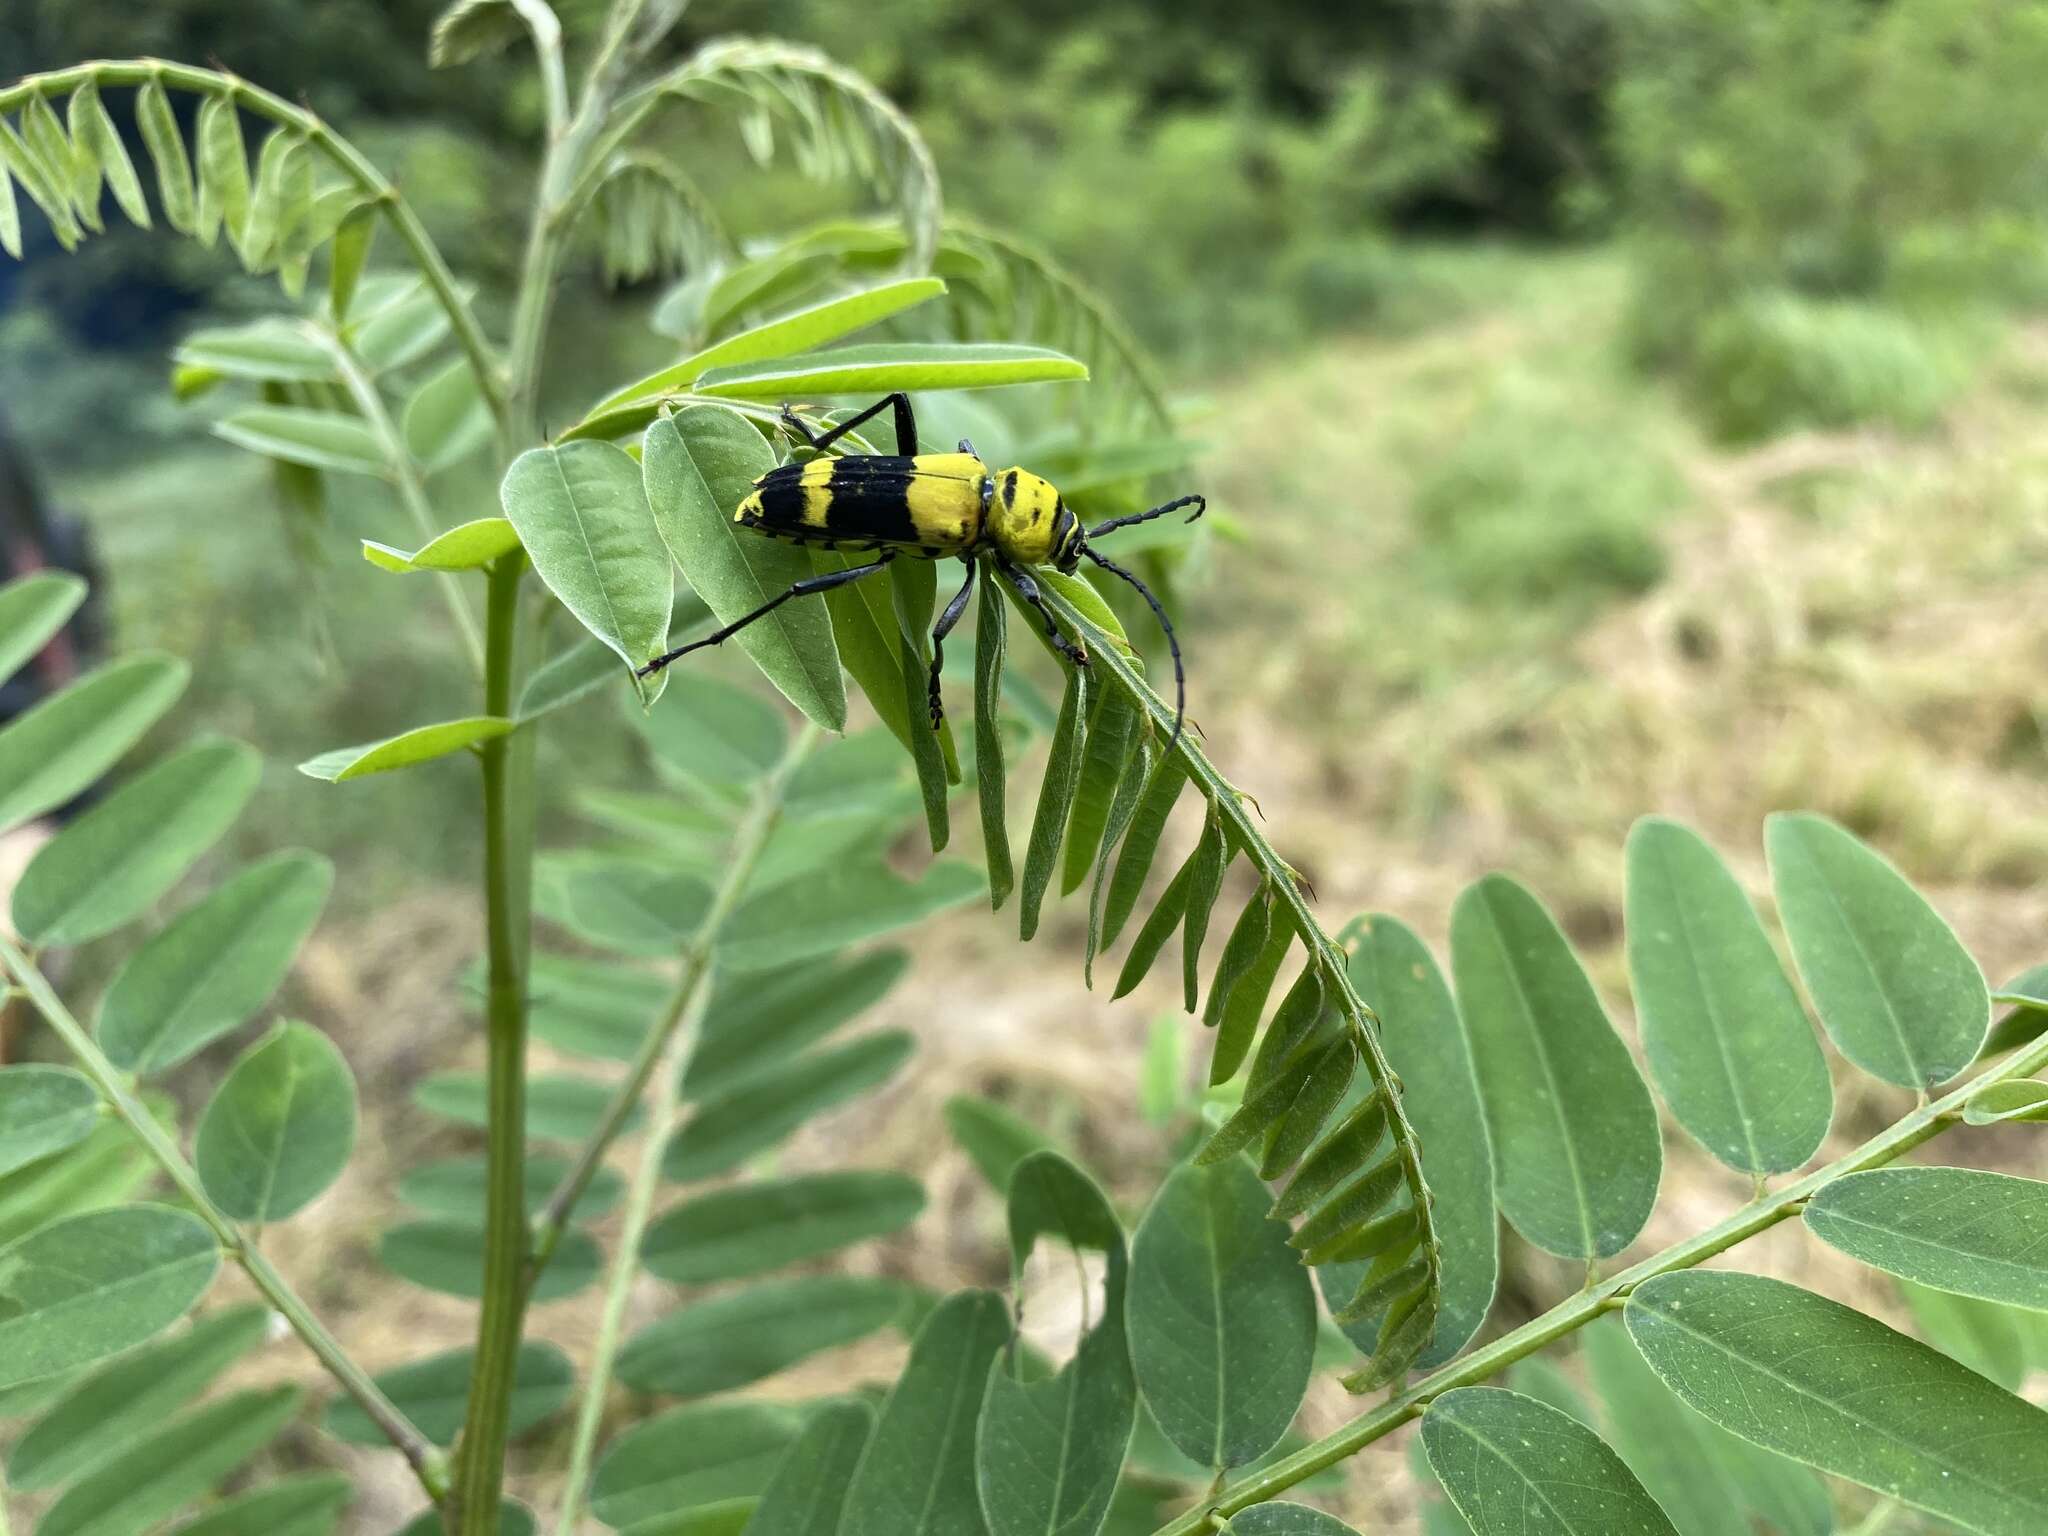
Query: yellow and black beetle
933, 506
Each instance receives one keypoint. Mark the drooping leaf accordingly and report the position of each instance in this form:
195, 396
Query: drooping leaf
807, 1494
434, 1393
454, 1187
600, 1009
264, 351
306, 1505
90, 1286
119, 1402
223, 161
1205, 883
1821, 1383
751, 1229
839, 907
754, 1023
1111, 753
448, 1257
303, 434
692, 1455
1426, 1044
740, 1337
912, 587
43, 1110
731, 1127
157, 1475
422, 744
1165, 918
1049, 1452
214, 964
990, 646
697, 465
1141, 844
280, 1128
65, 742
581, 513
1512, 1464
1727, 1040
1238, 1022
1581, 1154
1957, 1229
1897, 991
879, 367
1222, 1316
111, 865
917, 1477
996, 1139
558, 1108
166, 146
1055, 802
466, 547
95, 136
33, 609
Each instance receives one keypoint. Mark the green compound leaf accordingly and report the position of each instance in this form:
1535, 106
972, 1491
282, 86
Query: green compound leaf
1283, 1519
880, 367
558, 1108
446, 419
465, 547
1580, 1152
307, 1505
266, 351
626, 904
751, 1229
1055, 802
32, 610
743, 1336
837, 908
581, 513
689, 1456
1049, 1451
1814, 1380
756, 1023
731, 1127
434, 1393
213, 965
112, 864
117, 1403
43, 1110
297, 434
698, 464
422, 744
157, 1475
107, 1167
1513, 1465
1728, 1043
454, 1187
1956, 1229
715, 738
1897, 991
166, 146
991, 644
61, 745
1222, 1316
280, 1128
918, 1477
995, 1139
448, 1257
1426, 1044
807, 1495
90, 1286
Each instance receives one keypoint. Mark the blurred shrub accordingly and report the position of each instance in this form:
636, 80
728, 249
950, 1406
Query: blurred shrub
1542, 501
1792, 170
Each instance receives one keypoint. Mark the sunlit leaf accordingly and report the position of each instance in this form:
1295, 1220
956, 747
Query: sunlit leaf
879, 367
465, 547
2023, 1098
33, 609
422, 744
300, 434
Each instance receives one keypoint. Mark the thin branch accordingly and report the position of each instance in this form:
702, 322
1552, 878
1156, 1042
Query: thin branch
427, 1462
748, 840
344, 155
546, 28
1926, 1122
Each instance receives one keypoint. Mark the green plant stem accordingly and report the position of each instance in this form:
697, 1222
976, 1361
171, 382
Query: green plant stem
665, 1114
427, 1462
405, 475
546, 28
1924, 1123
749, 838
1105, 653
345, 156
508, 826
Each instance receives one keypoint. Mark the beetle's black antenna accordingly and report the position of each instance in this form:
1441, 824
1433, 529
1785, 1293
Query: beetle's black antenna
1180, 681
1199, 503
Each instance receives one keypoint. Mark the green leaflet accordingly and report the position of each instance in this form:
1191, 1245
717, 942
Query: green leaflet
913, 599
1813, 1380
65, 742
994, 1138
166, 148
754, 1228
918, 1475
448, 1257
1957, 1229
756, 1022
1581, 1155
454, 1187
807, 1495
1896, 990
879, 367
1727, 1040
446, 419
740, 1337
466, 547
1055, 802
837, 908
558, 1108
728, 1129
280, 1128
1222, 1317
1239, 1023
1157, 929
1205, 884
307, 1505
688, 1456
434, 1393
1284, 1519
1501, 1456
1141, 843
1122, 807
43, 1110
208, 970
298, 434
1113, 741
422, 744
697, 465
223, 173
33, 608
990, 644
1049, 1452
112, 864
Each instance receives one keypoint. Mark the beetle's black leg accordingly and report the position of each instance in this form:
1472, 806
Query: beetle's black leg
944, 628
906, 424
824, 581
1028, 590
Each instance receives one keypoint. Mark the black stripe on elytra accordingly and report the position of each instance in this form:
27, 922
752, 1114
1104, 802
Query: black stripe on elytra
872, 503
782, 499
